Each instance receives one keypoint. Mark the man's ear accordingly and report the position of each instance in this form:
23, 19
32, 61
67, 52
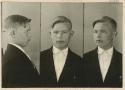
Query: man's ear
116, 33
12, 33
50, 32
72, 33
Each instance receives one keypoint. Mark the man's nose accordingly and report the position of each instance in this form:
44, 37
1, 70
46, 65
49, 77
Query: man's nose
59, 35
29, 34
98, 35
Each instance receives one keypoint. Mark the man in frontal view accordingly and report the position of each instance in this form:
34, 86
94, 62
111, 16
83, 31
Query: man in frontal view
17, 68
103, 65
59, 66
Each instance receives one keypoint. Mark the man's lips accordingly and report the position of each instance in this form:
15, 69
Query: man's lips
99, 41
29, 40
60, 41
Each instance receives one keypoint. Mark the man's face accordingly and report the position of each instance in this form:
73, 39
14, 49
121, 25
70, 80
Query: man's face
103, 35
22, 35
61, 35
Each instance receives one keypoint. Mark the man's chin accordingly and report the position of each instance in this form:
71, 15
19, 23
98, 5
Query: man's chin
61, 48
101, 46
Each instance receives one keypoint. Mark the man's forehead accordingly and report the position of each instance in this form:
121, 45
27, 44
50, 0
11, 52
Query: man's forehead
61, 26
103, 25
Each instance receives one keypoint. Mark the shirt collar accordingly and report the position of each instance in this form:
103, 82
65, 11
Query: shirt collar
101, 51
56, 50
20, 48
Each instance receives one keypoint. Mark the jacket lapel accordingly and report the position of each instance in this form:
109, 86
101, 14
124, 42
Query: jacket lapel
97, 66
66, 65
112, 67
51, 65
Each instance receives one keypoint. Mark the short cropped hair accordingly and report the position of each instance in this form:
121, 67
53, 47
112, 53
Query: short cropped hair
106, 19
62, 19
13, 20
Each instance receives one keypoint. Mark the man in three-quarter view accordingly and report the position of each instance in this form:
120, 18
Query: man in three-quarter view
103, 65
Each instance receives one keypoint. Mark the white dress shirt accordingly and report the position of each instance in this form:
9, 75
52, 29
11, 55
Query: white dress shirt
105, 57
59, 60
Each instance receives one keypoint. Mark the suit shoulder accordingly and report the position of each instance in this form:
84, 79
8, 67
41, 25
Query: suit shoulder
90, 56
45, 55
118, 53
75, 56
75, 60
45, 52
89, 53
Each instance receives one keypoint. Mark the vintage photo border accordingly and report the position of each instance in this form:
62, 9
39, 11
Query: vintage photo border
123, 46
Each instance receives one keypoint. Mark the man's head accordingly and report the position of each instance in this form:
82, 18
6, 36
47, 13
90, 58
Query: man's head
18, 27
104, 32
61, 32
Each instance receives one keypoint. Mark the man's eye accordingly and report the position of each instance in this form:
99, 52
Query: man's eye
65, 32
95, 31
55, 32
103, 31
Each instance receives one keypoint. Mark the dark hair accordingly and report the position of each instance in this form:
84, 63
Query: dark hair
12, 20
106, 19
62, 19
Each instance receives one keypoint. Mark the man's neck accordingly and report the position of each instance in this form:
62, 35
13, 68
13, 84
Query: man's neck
107, 48
61, 49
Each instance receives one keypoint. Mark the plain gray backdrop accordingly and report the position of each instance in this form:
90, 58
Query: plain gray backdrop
30, 10
82, 16
74, 11
94, 11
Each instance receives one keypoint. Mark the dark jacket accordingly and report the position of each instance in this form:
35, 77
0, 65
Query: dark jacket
93, 77
69, 76
17, 69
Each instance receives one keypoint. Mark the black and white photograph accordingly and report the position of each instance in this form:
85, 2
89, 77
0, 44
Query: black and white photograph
103, 49
75, 45
62, 27
20, 44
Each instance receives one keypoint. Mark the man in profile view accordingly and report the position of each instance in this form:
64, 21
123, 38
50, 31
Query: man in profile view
17, 68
